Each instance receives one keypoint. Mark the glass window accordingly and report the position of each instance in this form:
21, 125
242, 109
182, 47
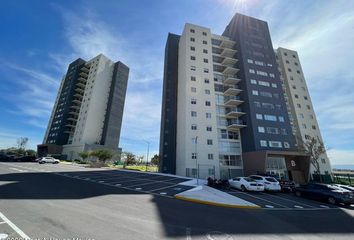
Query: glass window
193, 113
263, 143
192, 48
210, 141
193, 78
192, 39
253, 81
209, 128
193, 89
281, 118
210, 156
275, 144
207, 91
255, 92
270, 117
208, 115
193, 101
251, 70
259, 116
261, 129
194, 127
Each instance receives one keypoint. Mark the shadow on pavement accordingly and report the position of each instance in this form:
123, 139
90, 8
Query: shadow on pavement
180, 218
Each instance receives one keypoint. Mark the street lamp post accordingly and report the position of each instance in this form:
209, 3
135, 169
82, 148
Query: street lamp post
196, 159
147, 155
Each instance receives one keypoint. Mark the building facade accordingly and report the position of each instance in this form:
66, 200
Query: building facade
301, 111
88, 110
224, 111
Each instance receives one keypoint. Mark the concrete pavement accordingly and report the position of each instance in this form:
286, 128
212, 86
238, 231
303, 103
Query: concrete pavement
43, 203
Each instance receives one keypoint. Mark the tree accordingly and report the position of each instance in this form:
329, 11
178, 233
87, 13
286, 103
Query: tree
128, 158
21, 145
155, 160
102, 154
84, 155
30, 152
313, 147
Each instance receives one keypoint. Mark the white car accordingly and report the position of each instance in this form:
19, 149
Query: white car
48, 160
246, 184
270, 183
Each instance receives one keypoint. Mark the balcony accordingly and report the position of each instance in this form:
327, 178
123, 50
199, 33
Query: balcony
232, 101
75, 113
77, 95
85, 69
231, 80
71, 125
83, 74
75, 107
80, 84
79, 89
81, 79
235, 124
72, 119
227, 43
230, 70
77, 101
229, 61
232, 91
227, 52
234, 112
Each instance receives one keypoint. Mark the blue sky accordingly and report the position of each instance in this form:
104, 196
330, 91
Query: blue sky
40, 38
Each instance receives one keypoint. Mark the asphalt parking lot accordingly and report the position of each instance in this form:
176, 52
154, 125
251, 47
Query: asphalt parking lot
280, 201
142, 182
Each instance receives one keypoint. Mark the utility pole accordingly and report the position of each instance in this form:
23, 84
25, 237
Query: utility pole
147, 155
196, 159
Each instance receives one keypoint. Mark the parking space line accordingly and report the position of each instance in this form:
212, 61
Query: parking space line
14, 227
154, 190
289, 200
262, 199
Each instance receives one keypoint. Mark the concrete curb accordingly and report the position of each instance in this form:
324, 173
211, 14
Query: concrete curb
215, 204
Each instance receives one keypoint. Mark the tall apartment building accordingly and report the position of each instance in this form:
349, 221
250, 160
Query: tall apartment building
224, 112
303, 117
88, 110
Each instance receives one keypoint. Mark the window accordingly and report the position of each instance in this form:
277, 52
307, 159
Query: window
259, 63
308, 107
204, 33
268, 105
193, 58
205, 60
272, 130
289, 70
305, 97
313, 127
293, 86
259, 116
263, 83
323, 161
193, 89
275, 144
261, 129
207, 91
274, 85
208, 115
207, 103
192, 39
193, 68
255, 92
249, 60
265, 94
283, 131
301, 115
206, 70
287, 61
209, 141
192, 48
304, 125
270, 118
193, 101
281, 118
298, 71
194, 127
286, 145
294, 56
205, 42
210, 156
193, 78
257, 104
205, 51
262, 73
253, 81
263, 143
194, 155
251, 70
193, 113
298, 105
209, 128
192, 30
206, 80
285, 54
271, 75
296, 96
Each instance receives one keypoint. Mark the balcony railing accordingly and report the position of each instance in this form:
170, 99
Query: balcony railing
235, 124
231, 79
232, 101
232, 90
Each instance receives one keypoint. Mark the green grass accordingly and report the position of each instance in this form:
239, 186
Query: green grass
344, 181
138, 168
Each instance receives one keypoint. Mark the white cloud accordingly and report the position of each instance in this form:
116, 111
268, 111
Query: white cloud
339, 157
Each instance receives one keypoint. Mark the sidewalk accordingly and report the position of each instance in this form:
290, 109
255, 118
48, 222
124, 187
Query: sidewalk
207, 195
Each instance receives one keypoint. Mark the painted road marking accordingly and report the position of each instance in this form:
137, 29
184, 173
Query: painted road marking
289, 200
14, 227
118, 184
19, 170
188, 234
3, 236
324, 206
297, 206
262, 199
269, 206
163, 193
138, 188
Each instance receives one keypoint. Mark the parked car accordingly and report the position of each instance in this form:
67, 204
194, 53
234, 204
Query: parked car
246, 184
325, 192
286, 185
346, 187
48, 160
25, 159
270, 183
218, 184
